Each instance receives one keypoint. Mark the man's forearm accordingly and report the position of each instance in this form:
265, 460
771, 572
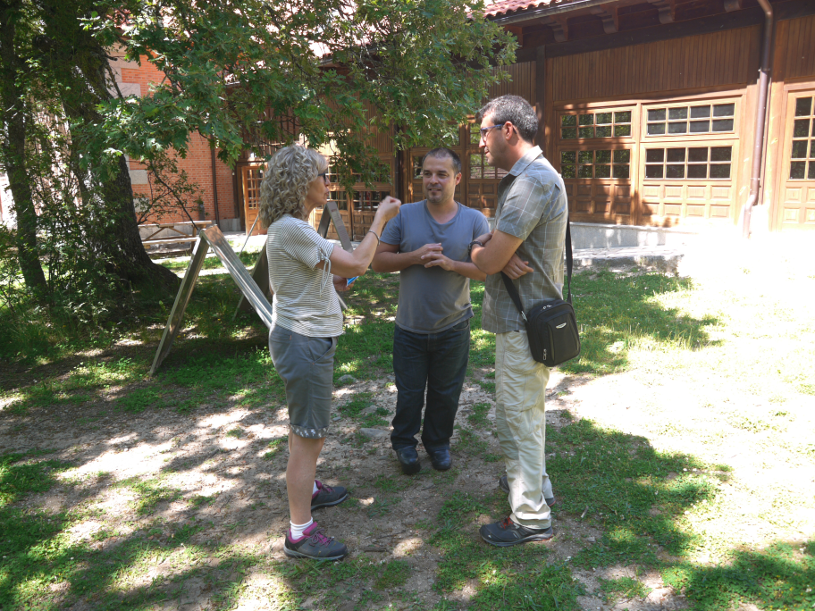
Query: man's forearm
468, 270
393, 261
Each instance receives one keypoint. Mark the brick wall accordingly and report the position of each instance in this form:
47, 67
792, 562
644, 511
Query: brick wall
135, 79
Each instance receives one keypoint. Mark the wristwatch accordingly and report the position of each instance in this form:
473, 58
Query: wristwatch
473, 243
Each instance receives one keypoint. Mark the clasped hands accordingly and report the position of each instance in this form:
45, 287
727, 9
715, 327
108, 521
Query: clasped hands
432, 255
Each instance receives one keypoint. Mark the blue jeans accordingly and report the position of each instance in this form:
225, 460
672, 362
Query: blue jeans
436, 362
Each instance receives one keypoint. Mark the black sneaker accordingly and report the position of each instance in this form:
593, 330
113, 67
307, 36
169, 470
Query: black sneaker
505, 533
326, 496
440, 459
409, 460
314, 544
503, 484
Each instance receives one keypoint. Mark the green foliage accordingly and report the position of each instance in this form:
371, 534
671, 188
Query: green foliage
275, 447
780, 577
479, 415
394, 575
261, 45
150, 493
19, 477
624, 587
75, 259
616, 312
504, 578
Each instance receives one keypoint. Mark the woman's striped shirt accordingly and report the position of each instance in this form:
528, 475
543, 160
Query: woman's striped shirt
304, 297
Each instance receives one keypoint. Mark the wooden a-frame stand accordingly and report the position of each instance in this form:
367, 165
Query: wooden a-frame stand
255, 291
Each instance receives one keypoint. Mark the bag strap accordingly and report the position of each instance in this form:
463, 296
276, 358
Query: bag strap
569, 260
513, 292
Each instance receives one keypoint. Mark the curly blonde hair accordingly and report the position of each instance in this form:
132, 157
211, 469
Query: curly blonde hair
285, 184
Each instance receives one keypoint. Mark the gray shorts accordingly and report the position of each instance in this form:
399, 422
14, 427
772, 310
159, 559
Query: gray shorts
306, 365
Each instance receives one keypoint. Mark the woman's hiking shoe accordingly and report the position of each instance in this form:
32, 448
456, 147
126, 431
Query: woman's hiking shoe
503, 484
326, 496
314, 544
505, 533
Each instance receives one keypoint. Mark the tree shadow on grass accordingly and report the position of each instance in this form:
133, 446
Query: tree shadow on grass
613, 311
637, 497
779, 577
155, 563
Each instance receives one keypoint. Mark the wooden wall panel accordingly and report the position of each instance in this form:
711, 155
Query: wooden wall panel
800, 48
703, 61
522, 82
382, 140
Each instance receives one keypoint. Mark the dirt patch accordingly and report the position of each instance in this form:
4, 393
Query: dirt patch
221, 469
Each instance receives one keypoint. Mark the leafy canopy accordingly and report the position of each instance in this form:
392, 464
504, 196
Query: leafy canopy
341, 70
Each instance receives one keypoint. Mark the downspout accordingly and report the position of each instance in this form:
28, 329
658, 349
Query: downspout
215, 188
761, 118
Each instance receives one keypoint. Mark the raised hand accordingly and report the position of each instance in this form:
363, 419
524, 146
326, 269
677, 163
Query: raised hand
388, 208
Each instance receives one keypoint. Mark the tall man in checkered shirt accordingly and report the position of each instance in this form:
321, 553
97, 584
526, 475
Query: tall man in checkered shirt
528, 245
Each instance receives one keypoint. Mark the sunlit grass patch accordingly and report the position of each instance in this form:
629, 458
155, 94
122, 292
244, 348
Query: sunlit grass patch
276, 446
622, 587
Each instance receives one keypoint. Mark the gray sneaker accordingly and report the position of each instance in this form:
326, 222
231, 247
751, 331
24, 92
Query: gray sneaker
503, 483
314, 544
326, 496
505, 533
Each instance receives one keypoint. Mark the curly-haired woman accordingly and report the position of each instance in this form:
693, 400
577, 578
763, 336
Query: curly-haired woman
306, 322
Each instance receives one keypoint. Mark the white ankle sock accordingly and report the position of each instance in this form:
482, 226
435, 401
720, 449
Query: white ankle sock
314, 490
297, 529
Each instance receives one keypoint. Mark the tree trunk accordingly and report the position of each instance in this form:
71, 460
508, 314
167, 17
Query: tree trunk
13, 149
125, 248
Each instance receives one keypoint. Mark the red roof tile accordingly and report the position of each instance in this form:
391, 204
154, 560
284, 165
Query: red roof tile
505, 7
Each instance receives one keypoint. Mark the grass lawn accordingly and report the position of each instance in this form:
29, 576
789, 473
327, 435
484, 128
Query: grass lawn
681, 447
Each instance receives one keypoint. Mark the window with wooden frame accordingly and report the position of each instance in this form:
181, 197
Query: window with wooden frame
596, 163
691, 119
586, 125
479, 169
802, 157
362, 197
688, 163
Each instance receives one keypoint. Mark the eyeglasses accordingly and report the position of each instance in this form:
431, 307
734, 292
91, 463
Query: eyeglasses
324, 176
484, 130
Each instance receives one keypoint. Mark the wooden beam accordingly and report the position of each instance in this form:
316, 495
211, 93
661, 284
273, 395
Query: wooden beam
733, 5
560, 27
610, 18
518, 31
666, 8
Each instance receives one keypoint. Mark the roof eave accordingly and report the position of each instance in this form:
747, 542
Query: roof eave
548, 11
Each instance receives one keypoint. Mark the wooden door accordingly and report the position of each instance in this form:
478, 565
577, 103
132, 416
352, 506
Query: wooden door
251, 175
686, 183
796, 209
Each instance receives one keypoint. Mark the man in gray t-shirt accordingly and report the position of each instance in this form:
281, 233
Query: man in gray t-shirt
428, 244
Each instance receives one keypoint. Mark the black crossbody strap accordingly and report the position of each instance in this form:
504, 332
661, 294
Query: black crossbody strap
513, 292
569, 260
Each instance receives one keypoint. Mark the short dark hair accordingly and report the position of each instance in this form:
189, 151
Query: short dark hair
444, 153
514, 109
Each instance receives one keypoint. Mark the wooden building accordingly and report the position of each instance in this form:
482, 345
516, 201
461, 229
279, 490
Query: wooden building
649, 109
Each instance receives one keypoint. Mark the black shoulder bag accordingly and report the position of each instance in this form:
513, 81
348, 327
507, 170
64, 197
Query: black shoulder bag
551, 326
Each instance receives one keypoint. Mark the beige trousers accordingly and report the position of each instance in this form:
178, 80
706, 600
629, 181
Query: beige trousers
520, 417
